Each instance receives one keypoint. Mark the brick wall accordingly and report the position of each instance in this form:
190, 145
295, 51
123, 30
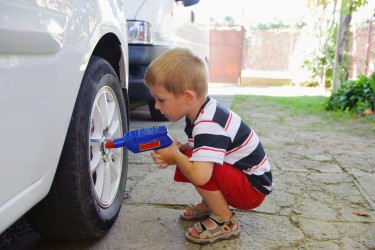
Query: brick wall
271, 51
358, 51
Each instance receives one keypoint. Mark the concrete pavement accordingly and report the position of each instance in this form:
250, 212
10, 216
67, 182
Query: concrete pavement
297, 215
323, 199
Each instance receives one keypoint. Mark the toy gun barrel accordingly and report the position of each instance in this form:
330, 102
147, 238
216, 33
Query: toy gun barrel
143, 139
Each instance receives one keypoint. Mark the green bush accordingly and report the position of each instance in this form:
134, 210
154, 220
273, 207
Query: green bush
353, 96
371, 81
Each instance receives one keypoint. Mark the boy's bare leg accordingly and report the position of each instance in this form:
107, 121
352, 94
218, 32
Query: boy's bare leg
217, 205
216, 202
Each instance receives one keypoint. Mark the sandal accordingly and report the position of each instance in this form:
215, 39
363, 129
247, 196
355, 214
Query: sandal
223, 230
195, 213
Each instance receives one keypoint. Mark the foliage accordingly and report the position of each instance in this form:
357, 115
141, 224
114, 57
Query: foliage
276, 25
320, 66
353, 96
339, 60
229, 20
268, 26
349, 6
371, 81
320, 63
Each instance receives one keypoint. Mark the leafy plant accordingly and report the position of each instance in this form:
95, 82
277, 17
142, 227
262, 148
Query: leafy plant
353, 96
371, 81
319, 65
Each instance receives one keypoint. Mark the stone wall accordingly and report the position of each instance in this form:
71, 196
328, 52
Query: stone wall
358, 51
278, 54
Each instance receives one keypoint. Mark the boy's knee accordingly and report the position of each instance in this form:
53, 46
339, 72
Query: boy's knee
211, 185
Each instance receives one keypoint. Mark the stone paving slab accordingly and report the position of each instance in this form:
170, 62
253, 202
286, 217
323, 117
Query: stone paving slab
162, 228
323, 198
320, 201
285, 219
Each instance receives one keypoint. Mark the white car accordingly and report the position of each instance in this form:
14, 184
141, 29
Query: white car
63, 94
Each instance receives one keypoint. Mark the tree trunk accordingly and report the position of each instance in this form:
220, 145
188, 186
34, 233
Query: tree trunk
339, 68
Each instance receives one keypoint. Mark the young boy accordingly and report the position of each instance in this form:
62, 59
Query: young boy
223, 157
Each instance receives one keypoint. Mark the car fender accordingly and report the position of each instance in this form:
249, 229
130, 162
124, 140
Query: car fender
38, 89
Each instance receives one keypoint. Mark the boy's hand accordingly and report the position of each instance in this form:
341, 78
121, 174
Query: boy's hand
166, 156
182, 146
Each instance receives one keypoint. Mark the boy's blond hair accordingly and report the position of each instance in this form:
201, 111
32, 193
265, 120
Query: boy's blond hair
178, 70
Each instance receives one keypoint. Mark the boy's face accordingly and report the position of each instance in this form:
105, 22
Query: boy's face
172, 107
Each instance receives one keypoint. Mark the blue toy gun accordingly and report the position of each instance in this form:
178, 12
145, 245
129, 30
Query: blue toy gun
143, 139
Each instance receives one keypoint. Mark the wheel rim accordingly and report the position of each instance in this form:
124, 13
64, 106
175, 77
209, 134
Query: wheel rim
105, 164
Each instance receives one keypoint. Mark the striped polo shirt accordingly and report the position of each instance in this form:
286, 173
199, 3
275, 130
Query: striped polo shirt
219, 135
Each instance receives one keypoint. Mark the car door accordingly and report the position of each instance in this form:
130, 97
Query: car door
31, 38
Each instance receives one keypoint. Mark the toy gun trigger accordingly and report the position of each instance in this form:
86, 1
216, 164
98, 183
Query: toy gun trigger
110, 144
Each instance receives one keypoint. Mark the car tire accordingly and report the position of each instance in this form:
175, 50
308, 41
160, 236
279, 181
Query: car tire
156, 115
82, 202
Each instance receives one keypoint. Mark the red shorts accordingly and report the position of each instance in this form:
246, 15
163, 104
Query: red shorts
232, 182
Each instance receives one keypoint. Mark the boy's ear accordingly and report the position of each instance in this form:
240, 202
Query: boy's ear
189, 96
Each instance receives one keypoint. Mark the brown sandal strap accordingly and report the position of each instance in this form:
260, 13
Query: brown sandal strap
221, 226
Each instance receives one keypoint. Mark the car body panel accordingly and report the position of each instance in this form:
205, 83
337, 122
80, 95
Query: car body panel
44, 50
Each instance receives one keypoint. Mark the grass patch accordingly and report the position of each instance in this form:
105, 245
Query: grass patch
301, 105
304, 106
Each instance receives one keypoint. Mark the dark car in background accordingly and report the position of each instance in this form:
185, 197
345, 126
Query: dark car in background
153, 28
